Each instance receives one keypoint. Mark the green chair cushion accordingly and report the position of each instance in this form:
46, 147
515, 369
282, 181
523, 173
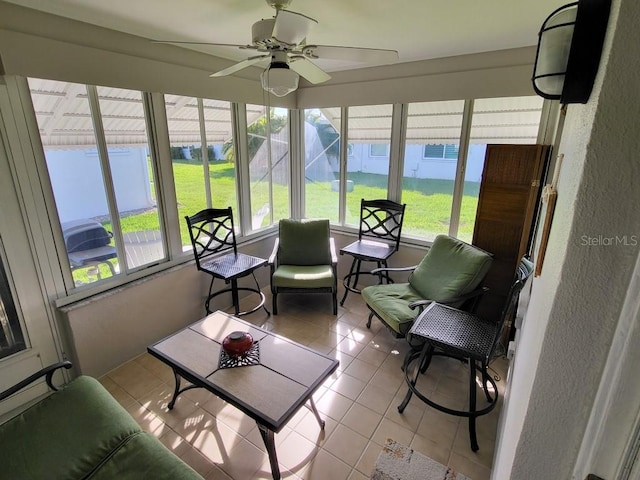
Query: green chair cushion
450, 268
294, 276
304, 242
143, 457
391, 303
51, 438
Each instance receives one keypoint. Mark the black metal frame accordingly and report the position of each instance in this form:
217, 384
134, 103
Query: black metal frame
212, 234
46, 372
381, 221
471, 333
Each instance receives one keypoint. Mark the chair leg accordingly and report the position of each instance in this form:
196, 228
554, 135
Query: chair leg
260, 290
274, 302
334, 297
472, 405
485, 381
426, 353
346, 281
369, 321
206, 303
234, 296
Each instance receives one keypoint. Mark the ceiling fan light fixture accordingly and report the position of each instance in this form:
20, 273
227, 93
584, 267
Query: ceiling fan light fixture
279, 80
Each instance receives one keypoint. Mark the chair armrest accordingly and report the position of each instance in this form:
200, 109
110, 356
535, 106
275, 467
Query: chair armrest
393, 269
46, 372
332, 246
274, 253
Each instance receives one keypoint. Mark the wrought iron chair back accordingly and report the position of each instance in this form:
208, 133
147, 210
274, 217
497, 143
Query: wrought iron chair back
381, 220
212, 232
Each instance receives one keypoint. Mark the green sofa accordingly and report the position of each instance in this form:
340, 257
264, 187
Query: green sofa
82, 432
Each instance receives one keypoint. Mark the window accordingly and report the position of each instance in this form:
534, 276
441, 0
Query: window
367, 175
103, 185
449, 152
429, 176
11, 337
322, 163
268, 151
379, 150
495, 120
201, 184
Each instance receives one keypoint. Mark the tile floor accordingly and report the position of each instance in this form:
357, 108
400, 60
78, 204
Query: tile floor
359, 403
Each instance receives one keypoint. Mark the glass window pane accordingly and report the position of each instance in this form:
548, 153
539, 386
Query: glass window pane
268, 169
322, 163
430, 163
11, 337
132, 174
510, 120
368, 168
222, 167
68, 139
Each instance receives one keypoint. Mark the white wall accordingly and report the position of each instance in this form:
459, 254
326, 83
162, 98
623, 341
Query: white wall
576, 302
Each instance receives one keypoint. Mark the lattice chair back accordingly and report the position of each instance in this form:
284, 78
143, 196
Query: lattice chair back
211, 232
524, 271
381, 220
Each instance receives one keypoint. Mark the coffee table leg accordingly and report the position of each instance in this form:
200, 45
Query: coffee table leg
176, 391
267, 437
315, 412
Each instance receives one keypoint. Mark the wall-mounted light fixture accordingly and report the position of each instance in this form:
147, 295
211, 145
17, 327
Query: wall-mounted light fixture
569, 48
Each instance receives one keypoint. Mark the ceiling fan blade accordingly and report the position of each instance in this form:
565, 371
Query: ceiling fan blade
351, 54
239, 66
291, 27
308, 70
178, 42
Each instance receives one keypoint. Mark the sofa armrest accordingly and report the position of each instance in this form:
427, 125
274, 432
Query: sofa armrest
46, 372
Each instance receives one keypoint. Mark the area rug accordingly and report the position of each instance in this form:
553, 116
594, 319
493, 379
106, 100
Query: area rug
399, 462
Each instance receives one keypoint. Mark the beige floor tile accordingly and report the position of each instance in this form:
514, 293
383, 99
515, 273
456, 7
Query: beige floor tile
346, 445
349, 346
325, 466
471, 469
431, 449
134, 379
309, 428
296, 452
388, 429
118, 392
356, 475
362, 420
387, 381
361, 370
350, 387
439, 427
244, 460
217, 474
158, 400
197, 461
372, 355
334, 404
255, 438
375, 399
155, 366
462, 446
174, 442
147, 420
264, 473
368, 458
411, 416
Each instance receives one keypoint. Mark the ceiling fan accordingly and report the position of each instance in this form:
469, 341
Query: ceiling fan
281, 44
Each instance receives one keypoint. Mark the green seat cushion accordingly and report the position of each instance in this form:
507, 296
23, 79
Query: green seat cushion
391, 303
294, 276
144, 457
66, 435
304, 242
451, 268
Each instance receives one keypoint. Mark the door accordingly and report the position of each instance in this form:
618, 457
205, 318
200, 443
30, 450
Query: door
28, 340
509, 193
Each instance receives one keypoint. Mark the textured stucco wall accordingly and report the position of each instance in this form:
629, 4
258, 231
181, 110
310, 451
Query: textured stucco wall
576, 302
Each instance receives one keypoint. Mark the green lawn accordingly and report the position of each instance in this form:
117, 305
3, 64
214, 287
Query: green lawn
428, 201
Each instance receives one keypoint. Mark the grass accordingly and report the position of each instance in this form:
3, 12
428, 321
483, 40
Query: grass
427, 214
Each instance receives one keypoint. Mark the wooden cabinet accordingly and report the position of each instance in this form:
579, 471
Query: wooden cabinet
509, 195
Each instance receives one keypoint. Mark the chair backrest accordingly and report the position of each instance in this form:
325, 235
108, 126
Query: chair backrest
524, 271
211, 231
382, 220
450, 268
304, 242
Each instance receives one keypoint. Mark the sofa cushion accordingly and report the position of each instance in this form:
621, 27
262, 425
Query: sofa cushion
66, 435
314, 276
142, 456
304, 242
391, 303
450, 268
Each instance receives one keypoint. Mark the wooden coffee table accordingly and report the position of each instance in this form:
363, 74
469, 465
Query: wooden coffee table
273, 381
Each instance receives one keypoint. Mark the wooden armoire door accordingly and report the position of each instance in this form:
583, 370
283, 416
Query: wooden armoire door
509, 193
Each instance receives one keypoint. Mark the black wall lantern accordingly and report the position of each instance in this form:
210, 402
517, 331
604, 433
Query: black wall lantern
569, 48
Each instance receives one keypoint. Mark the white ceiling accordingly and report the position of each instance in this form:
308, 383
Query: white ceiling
417, 29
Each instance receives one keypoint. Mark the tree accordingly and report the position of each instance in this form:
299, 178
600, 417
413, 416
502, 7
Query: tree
256, 135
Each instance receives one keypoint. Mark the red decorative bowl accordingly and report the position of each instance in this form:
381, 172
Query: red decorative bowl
237, 343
